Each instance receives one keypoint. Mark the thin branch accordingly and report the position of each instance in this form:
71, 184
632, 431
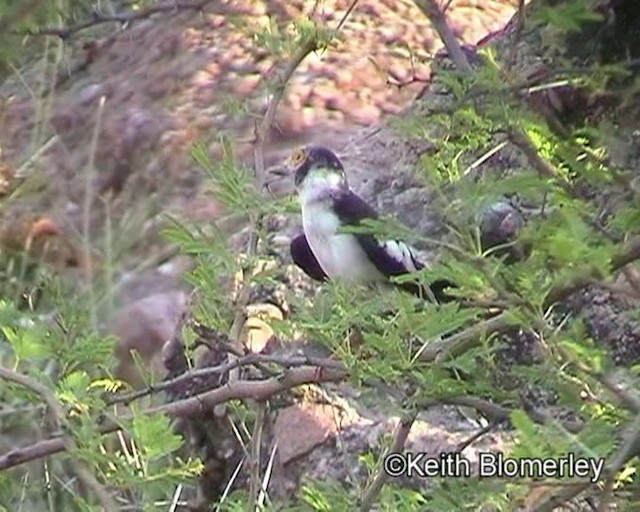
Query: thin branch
201, 373
399, 439
255, 482
438, 19
459, 343
627, 450
344, 18
587, 275
480, 433
57, 414
494, 412
236, 390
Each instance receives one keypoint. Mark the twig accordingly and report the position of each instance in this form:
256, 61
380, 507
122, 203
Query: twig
629, 253
99, 18
344, 18
480, 433
627, 450
399, 440
438, 19
494, 412
459, 343
237, 390
255, 482
56, 414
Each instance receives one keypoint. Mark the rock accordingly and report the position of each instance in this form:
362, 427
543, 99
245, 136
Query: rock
144, 327
365, 115
258, 332
300, 428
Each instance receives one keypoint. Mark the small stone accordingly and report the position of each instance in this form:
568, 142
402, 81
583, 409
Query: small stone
389, 34
90, 93
245, 85
364, 115
343, 77
399, 72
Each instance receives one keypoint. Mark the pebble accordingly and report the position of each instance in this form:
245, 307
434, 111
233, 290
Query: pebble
245, 85
364, 115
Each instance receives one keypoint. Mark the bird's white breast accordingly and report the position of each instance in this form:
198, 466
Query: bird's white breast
339, 254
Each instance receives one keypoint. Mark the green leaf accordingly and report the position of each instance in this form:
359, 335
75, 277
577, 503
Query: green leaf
154, 435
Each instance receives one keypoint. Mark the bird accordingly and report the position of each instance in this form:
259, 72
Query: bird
324, 251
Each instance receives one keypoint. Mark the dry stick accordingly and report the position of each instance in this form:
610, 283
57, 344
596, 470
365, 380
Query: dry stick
399, 440
438, 19
626, 451
200, 373
255, 482
480, 433
56, 414
237, 390
495, 412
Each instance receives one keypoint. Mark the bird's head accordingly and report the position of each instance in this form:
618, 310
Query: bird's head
317, 171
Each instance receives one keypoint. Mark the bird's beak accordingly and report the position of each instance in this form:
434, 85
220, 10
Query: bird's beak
279, 180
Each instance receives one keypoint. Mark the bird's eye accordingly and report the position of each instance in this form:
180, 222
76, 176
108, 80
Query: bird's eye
298, 157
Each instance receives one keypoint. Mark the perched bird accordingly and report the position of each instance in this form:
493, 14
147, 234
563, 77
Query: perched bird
324, 251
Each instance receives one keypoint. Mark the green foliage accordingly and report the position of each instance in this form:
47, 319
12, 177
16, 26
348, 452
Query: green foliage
567, 16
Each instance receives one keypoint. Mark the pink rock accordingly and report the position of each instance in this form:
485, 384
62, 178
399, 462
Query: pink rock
300, 428
245, 85
365, 115
144, 327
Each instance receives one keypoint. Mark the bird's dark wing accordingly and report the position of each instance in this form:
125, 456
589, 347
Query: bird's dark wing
391, 257
304, 258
